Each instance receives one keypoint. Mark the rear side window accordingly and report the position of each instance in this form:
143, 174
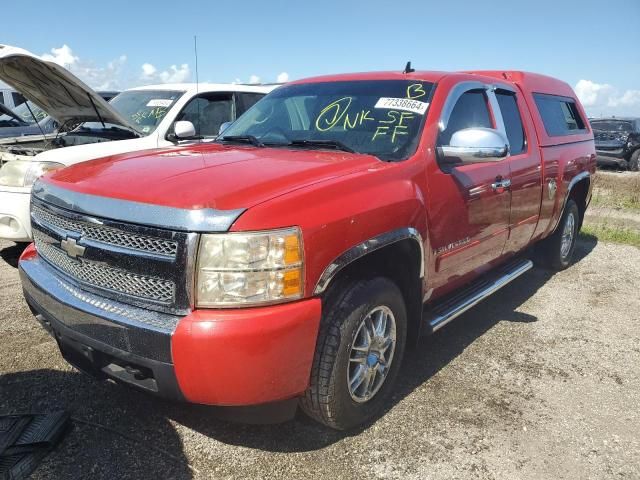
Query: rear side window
470, 111
17, 99
559, 114
512, 121
244, 101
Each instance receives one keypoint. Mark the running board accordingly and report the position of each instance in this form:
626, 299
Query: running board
438, 315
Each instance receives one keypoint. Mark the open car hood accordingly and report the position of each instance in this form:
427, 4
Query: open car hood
60, 93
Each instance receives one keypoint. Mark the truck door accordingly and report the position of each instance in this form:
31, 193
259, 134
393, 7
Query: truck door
469, 203
525, 167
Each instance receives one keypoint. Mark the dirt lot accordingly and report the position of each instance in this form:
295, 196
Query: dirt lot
540, 381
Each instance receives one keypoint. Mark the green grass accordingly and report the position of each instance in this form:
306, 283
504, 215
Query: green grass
621, 191
623, 202
607, 233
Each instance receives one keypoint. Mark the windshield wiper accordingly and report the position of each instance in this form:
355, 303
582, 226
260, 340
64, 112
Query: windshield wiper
243, 139
335, 144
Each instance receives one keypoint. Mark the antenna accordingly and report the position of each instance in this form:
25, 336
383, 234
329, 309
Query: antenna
195, 52
408, 69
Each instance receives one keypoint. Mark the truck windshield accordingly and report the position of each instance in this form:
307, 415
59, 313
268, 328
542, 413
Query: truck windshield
23, 112
144, 109
381, 117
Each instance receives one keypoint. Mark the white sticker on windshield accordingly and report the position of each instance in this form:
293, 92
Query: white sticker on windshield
406, 104
159, 102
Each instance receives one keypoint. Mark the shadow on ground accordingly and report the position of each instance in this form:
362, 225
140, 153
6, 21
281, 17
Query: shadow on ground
133, 433
12, 252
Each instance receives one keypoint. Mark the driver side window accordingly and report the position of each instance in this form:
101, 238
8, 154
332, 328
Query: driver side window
208, 112
471, 111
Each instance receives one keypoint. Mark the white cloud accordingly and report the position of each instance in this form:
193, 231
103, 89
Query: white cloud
174, 74
283, 77
62, 56
604, 99
148, 70
108, 77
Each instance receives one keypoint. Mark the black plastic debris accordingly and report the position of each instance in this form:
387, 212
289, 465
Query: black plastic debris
26, 439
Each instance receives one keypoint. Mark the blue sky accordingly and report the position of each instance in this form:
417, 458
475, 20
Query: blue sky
593, 45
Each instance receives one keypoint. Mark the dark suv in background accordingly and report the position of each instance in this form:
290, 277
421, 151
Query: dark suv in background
617, 142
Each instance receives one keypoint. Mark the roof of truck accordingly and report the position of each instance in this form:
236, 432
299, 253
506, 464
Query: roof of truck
534, 82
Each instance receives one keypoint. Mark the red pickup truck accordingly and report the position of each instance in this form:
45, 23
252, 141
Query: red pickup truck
292, 261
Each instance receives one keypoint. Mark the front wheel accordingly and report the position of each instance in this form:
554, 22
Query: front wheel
358, 353
557, 250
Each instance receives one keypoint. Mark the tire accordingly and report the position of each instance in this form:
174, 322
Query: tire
557, 250
342, 355
634, 161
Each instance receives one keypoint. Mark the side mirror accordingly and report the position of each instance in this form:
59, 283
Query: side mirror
184, 129
223, 127
475, 145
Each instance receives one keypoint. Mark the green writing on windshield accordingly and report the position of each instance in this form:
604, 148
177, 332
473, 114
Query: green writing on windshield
388, 125
156, 114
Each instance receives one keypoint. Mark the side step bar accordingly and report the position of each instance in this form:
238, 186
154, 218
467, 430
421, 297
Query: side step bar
438, 315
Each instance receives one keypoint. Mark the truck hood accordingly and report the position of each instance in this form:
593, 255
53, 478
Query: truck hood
50, 86
213, 176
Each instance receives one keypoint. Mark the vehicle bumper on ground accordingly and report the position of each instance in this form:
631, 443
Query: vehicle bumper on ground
15, 224
238, 357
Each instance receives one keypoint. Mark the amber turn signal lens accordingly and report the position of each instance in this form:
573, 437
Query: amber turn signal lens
292, 254
292, 282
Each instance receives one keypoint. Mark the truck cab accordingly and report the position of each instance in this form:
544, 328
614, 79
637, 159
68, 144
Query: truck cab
294, 259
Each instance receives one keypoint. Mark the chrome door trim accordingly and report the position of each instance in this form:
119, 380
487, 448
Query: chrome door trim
366, 247
182, 219
456, 92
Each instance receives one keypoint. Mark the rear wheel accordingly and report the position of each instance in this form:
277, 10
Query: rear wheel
557, 250
358, 354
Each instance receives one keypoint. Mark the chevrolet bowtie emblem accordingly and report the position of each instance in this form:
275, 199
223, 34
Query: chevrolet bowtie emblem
70, 246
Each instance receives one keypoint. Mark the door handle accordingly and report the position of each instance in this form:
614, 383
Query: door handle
500, 186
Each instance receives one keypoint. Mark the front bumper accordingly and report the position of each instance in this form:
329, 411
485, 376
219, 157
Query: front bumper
236, 357
15, 223
615, 156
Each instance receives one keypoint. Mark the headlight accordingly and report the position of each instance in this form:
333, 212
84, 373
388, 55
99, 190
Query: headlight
22, 173
241, 269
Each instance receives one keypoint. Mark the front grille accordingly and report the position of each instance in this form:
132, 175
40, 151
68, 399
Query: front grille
102, 276
145, 266
107, 235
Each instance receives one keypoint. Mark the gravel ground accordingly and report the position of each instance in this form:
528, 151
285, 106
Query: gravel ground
540, 381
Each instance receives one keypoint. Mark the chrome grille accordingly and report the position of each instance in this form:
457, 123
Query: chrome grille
105, 277
103, 234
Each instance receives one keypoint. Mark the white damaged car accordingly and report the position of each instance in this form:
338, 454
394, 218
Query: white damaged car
141, 118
